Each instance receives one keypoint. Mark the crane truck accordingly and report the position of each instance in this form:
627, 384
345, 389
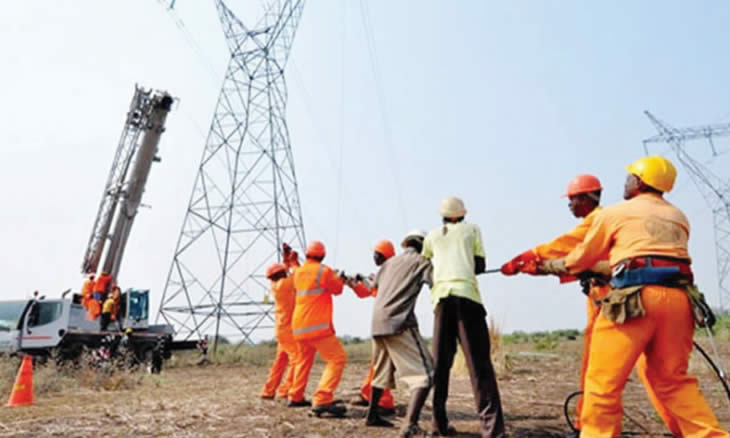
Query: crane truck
60, 328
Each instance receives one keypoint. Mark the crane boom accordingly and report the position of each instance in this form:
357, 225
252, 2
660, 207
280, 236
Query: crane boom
123, 190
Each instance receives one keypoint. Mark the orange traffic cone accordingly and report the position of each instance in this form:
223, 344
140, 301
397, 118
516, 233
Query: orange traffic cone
22, 393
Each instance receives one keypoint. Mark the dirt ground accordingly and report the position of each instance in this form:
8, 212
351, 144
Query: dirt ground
222, 400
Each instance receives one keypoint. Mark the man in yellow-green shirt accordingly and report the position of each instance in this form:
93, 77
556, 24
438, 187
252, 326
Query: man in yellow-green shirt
457, 254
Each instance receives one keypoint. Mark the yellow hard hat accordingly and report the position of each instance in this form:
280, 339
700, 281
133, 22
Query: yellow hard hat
654, 171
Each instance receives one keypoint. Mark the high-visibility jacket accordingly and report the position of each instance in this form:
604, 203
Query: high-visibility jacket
285, 296
87, 290
102, 283
315, 284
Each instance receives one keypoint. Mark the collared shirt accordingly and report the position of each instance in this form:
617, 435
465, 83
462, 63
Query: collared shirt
397, 284
452, 248
646, 225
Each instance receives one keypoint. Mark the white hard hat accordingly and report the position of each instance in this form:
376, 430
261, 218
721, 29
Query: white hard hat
413, 234
452, 207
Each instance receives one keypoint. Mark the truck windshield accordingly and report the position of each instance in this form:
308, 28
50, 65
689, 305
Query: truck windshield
10, 313
138, 305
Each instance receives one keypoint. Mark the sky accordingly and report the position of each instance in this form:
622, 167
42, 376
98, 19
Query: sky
499, 103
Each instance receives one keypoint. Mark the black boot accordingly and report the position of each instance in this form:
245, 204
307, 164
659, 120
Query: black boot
374, 418
299, 404
334, 409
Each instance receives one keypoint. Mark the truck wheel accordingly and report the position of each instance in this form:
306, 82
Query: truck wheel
153, 359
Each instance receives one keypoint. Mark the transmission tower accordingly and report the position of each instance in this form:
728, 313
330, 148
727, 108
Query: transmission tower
245, 200
714, 189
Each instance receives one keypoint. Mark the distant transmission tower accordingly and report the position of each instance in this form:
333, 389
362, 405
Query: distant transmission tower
713, 188
245, 201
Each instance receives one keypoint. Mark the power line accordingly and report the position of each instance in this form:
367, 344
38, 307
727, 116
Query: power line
375, 67
340, 164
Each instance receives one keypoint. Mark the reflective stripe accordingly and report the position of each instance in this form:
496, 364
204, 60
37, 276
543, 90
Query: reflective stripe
311, 328
309, 292
317, 284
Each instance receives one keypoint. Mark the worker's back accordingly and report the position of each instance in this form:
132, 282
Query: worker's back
102, 283
315, 283
645, 225
398, 283
452, 248
285, 297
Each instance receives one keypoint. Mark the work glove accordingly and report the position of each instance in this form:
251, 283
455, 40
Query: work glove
552, 266
525, 262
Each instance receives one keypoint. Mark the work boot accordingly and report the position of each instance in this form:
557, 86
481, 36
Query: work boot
386, 412
411, 431
299, 404
359, 401
334, 409
374, 418
444, 430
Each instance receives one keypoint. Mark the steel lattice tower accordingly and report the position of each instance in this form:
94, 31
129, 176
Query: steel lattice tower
715, 190
245, 201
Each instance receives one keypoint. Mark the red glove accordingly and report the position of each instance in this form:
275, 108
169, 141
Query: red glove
525, 262
567, 278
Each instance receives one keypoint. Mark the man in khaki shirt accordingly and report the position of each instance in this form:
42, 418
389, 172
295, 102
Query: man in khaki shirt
397, 343
457, 254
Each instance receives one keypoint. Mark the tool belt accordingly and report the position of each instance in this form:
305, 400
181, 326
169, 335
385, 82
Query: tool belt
650, 270
623, 302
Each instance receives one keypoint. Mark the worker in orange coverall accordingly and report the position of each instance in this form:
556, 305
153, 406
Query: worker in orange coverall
313, 331
648, 309
383, 251
101, 286
584, 194
87, 291
282, 288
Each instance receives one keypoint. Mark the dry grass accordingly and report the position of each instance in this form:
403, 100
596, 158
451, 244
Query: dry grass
259, 355
222, 399
50, 378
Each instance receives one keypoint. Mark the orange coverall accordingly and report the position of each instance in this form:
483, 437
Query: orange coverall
646, 225
313, 331
99, 291
286, 349
87, 291
386, 400
561, 247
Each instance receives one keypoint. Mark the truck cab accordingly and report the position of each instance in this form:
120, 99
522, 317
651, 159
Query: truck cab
33, 324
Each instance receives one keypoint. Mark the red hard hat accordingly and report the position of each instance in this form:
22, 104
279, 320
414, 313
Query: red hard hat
582, 184
315, 249
385, 247
275, 269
